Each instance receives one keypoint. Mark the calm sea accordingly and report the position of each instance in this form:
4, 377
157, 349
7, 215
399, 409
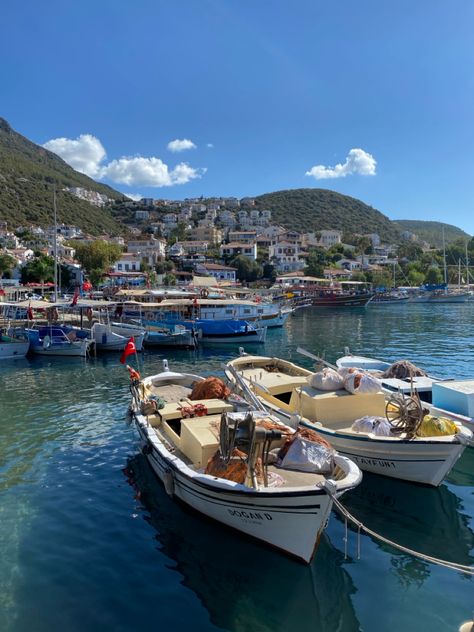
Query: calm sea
90, 541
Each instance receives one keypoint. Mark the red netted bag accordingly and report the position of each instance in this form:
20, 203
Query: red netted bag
235, 470
210, 388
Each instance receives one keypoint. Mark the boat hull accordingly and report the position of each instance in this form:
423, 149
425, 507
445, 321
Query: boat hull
272, 518
418, 461
108, 340
78, 349
334, 300
249, 337
12, 350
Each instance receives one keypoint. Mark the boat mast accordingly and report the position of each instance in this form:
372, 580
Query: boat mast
55, 247
467, 267
444, 260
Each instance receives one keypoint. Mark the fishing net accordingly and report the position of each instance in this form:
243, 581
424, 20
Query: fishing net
210, 388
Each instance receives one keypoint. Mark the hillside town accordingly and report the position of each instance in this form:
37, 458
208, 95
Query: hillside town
167, 242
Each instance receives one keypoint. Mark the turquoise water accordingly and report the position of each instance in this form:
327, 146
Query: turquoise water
90, 541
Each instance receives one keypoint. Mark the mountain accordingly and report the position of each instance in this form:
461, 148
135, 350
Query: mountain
27, 175
317, 209
432, 232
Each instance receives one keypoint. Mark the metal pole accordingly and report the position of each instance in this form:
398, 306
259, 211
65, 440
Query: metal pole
55, 247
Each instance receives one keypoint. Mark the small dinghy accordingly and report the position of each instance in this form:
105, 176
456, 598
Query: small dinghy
385, 434
215, 452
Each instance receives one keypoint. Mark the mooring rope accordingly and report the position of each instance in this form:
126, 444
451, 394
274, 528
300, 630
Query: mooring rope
468, 570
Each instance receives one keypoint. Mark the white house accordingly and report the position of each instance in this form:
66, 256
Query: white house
233, 249
128, 262
286, 256
218, 271
329, 238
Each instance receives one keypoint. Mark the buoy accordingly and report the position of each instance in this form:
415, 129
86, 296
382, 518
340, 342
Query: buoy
468, 626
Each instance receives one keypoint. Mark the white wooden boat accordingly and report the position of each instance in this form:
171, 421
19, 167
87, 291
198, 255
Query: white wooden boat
454, 398
53, 340
106, 339
284, 389
12, 347
290, 517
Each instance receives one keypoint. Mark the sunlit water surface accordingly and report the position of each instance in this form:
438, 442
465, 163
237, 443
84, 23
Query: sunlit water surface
90, 541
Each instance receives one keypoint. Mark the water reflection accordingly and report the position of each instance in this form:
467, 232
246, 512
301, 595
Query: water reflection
243, 585
424, 519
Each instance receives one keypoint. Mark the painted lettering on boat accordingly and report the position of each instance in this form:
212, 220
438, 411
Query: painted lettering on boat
250, 516
376, 462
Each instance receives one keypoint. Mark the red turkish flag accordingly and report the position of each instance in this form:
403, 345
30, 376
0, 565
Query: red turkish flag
75, 297
130, 349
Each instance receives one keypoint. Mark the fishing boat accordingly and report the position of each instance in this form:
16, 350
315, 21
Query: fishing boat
54, 340
177, 336
108, 339
389, 298
398, 377
228, 331
181, 437
12, 347
285, 390
440, 396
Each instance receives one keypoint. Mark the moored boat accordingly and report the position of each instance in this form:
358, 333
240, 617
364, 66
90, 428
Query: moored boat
12, 347
440, 396
54, 340
286, 509
285, 390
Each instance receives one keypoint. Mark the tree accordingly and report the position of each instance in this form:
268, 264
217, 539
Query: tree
169, 279
364, 245
315, 262
38, 270
433, 276
178, 233
269, 271
415, 278
96, 257
7, 263
164, 266
247, 269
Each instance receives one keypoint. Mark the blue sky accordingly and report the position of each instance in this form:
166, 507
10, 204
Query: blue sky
268, 92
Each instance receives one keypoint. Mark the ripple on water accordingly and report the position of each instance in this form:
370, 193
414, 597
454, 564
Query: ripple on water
90, 541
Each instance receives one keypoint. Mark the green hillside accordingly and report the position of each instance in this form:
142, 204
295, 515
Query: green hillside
432, 232
27, 175
317, 209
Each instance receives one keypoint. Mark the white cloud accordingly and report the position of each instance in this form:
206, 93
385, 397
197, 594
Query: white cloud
136, 197
84, 154
181, 145
149, 172
357, 161
87, 154
210, 145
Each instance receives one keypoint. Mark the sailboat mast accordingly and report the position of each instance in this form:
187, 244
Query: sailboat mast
444, 260
467, 267
55, 246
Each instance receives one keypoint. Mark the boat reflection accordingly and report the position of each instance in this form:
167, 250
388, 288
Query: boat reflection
420, 518
243, 585
462, 473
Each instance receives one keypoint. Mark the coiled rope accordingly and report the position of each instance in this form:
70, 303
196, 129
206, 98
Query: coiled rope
468, 570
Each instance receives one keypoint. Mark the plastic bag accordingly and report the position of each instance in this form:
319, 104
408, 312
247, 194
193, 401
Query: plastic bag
326, 380
379, 426
307, 456
362, 383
